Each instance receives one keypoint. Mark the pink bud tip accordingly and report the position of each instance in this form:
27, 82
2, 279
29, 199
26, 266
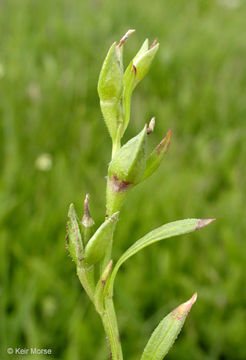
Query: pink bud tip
182, 310
203, 222
190, 302
169, 133
153, 44
165, 143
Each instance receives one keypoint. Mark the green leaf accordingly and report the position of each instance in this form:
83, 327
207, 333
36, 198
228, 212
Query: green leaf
74, 239
163, 232
167, 331
155, 158
96, 248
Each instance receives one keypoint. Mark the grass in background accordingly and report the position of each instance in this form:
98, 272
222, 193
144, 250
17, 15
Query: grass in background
50, 58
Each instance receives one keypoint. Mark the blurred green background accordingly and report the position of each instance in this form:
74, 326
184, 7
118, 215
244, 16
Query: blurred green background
51, 53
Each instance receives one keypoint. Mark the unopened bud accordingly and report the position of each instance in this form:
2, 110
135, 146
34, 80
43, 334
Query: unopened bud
135, 72
87, 220
143, 59
110, 88
125, 170
97, 246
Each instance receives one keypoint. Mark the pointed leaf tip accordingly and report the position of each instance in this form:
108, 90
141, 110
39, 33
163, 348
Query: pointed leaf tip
167, 332
153, 43
182, 310
155, 158
203, 222
165, 231
163, 147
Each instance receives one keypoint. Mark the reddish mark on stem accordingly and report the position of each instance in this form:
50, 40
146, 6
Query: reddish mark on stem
119, 185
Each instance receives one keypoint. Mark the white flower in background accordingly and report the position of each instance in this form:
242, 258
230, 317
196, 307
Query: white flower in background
44, 162
34, 92
231, 4
2, 72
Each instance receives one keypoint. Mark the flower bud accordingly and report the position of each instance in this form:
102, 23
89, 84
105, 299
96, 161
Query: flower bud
135, 72
74, 240
110, 87
87, 221
143, 59
96, 248
125, 170
155, 158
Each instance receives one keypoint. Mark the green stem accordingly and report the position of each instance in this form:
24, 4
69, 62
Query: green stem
111, 328
108, 315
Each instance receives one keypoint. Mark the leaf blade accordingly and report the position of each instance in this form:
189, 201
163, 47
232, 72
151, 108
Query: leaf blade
167, 332
172, 229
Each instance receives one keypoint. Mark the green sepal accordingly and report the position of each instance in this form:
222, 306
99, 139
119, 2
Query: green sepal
167, 331
142, 50
129, 81
110, 88
125, 170
97, 246
74, 238
155, 158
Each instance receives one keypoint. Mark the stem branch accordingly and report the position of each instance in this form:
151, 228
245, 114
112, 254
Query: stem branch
111, 328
